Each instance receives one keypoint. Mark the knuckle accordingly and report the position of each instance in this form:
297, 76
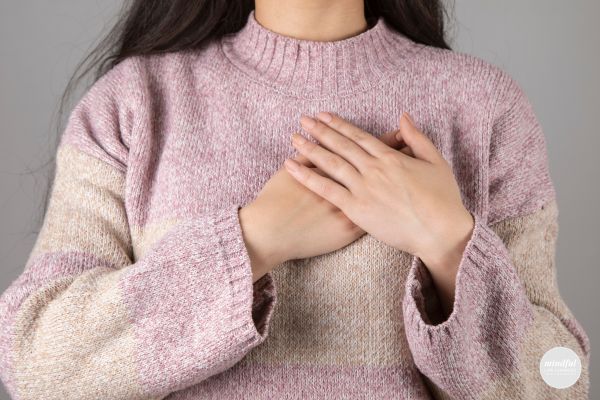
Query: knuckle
354, 136
348, 170
319, 127
333, 162
325, 188
358, 137
376, 172
347, 146
308, 177
310, 147
389, 156
335, 122
369, 164
303, 176
393, 159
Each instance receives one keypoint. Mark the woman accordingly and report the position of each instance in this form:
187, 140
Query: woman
401, 245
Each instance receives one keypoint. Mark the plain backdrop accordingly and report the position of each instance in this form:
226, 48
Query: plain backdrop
551, 47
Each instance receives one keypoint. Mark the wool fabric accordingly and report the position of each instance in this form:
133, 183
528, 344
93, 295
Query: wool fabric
139, 285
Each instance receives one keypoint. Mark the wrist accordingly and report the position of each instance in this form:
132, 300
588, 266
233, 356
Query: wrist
258, 239
448, 250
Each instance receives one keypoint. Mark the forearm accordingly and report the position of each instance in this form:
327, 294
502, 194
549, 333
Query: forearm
507, 313
181, 312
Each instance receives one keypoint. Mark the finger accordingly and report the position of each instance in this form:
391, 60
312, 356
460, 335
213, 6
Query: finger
323, 186
368, 142
330, 163
338, 143
421, 146
318, 171
303, 160
388, 138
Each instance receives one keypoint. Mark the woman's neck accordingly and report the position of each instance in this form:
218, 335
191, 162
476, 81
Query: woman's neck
317, 20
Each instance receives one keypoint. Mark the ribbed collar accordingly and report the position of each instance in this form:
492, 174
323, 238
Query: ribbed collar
317, 69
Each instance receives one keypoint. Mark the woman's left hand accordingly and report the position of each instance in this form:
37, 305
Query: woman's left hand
407, 199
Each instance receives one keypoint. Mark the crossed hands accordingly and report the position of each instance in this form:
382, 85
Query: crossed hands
406, 198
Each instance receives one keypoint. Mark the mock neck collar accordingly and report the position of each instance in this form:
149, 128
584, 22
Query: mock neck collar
317, 69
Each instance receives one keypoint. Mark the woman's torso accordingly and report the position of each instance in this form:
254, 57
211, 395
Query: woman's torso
217, 140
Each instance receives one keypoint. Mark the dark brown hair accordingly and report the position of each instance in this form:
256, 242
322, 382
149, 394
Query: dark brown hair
159, 26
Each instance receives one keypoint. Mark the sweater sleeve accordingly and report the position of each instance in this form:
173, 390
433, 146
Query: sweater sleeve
507, 310
85, 319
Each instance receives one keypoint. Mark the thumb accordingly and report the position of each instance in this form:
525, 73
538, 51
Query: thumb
422, 147
394, 140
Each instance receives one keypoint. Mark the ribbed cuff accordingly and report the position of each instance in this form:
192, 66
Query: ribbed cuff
489, 318
252, 303
193, 305
265, 297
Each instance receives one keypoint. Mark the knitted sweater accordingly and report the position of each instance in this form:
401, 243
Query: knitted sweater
139, 285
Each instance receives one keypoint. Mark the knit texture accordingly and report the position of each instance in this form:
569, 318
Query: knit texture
139, 285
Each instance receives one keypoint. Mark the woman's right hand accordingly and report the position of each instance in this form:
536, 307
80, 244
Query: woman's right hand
287, 221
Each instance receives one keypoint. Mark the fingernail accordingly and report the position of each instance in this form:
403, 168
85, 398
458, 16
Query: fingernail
298, 139
324, 116
291, 165
307, 122
409, 118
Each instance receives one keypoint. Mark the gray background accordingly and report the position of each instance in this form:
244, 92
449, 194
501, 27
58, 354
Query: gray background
549, 46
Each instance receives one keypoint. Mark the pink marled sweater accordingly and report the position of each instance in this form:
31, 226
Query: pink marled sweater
139, 285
